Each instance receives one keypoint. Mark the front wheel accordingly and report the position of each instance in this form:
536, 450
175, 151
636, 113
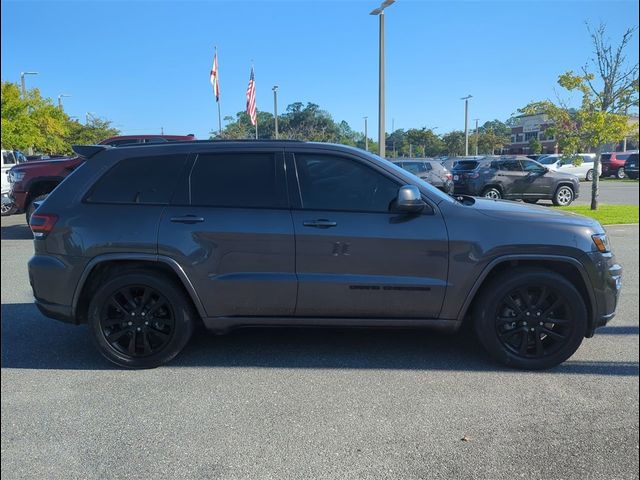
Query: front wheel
530, 318
492, 193
620, 173
563, 196
8, 209
140, 319
589, 176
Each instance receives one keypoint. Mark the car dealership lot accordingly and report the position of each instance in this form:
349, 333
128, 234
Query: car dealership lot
313, 403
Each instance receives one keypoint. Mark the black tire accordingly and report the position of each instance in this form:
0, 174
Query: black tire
492, 193
503, 321
31, 208
589, 176
620, 173
158, 331
564, 196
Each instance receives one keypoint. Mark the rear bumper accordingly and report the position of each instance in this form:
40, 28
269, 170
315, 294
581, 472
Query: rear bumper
53, 281
55, 311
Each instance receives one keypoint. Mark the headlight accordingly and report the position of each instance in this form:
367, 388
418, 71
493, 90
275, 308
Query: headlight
602, 242
15, 176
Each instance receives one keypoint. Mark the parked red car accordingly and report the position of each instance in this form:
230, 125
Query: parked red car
613, 163
33, 181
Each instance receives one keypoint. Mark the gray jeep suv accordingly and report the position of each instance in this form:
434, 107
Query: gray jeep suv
145, 242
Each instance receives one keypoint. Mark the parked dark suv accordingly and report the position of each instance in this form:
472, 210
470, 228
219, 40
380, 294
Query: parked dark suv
514, 179
631, 166
144, 242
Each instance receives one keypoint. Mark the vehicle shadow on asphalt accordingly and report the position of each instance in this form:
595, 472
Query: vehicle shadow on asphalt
31, 341
16, 232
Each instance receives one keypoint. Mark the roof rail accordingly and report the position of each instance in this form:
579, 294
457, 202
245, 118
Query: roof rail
88, 151
200, 142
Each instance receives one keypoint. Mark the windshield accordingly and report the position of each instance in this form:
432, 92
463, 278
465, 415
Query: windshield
547, 160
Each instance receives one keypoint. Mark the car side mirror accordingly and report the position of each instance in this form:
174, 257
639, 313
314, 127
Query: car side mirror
410, 199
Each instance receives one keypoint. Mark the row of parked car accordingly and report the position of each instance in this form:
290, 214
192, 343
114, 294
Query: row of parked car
550, 177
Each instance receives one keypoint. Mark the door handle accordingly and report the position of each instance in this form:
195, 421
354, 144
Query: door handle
321, 223
187, 219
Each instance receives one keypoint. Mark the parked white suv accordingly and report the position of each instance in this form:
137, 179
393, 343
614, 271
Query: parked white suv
561, 163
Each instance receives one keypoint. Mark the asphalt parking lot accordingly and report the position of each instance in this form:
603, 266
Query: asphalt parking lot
313, 403
612, 192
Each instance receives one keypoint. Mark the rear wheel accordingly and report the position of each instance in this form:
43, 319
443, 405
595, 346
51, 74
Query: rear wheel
140, 319
589, 176
563, 196
493, 193
531, 319
620, 173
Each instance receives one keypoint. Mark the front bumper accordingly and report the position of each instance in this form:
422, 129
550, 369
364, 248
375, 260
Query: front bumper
606, 281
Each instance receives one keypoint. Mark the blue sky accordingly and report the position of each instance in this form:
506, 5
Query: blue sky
145, 65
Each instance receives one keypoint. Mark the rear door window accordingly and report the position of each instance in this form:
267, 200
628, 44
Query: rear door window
243, 180
145, 180
511, 166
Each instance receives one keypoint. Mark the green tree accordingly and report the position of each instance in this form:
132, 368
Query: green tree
535, 147
96, 130
31, 122
454, 143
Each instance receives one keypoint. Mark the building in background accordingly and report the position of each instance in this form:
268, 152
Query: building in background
527, 127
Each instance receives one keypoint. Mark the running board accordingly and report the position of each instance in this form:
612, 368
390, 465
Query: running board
224, 324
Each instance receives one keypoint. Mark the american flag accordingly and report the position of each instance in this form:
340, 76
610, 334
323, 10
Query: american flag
213, 76
251, 99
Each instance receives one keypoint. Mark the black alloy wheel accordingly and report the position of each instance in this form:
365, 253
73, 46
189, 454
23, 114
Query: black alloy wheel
533, 321
141, 318
137, 321
530, 318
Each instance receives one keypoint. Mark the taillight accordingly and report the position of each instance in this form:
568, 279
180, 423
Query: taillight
42, 223
449, 176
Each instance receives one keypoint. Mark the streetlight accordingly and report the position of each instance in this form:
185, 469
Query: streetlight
24, 87
476, 120
275, 108
60, 97
466, 124
366, 135
381, 134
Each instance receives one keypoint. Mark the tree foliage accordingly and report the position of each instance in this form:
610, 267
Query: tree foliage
35, 122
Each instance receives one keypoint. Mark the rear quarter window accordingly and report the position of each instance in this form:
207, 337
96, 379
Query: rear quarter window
143, 180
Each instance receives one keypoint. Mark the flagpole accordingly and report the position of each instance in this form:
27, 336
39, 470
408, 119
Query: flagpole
218, 99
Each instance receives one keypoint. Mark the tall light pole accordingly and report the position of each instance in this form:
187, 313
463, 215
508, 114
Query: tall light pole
22, 83
60, 97
275, 108
466, 124
366, 134
381, 133
476, 120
